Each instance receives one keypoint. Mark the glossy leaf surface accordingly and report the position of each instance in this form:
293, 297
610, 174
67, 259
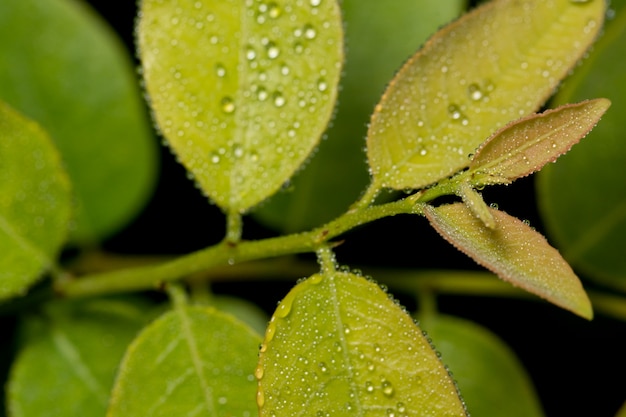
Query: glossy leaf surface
515, 252
68, 362
190, 361
582, 198
493, 65
525, 146
380, 35
337, 345
493, 381
241, 90
35, 203
63, 67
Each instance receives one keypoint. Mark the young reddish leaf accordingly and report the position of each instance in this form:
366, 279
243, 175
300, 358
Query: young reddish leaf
526, 145
513, 251
338, 346
493, 65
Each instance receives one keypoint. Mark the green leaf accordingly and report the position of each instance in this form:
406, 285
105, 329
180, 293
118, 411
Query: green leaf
622, 411
513, 251
380, 36
242, 91
243, 310
338, 345
582, 199
525, 146
64, 68
35, 203
68, 362
191, 361
493, 381
495, 64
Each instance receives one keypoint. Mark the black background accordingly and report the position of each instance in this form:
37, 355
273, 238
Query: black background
577, 366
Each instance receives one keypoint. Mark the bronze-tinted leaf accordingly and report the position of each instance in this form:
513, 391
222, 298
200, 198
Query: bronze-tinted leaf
525, 146
515, 252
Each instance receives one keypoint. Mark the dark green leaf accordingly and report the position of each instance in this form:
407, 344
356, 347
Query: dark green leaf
191, 361
338, 345
491, 378
241, 90
583, 197
69, 358
65, 69
35, 203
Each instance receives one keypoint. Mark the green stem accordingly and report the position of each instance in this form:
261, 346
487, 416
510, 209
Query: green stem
153, 276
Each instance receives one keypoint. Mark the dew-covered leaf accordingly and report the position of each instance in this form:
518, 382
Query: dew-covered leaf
491, 378
64, 68
241, 90
494, 65
515, 252
35, 203
338, 345
190, 361
380, 35
582, 198
67, 364
526, 145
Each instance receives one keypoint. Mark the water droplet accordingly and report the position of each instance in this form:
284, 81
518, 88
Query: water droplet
279, 99
284, 308
220, 70
322, 85
215, 158
273, 10
455, 112
309, 32
494, 206
323, 367
260, 398
475, 93
346, 329
284, 69
228, 105
298, 47
238, 151
391, 412
315, 3
369, 387
250, 53
272, 50
222, 400
262, 93
401, 407
387, 388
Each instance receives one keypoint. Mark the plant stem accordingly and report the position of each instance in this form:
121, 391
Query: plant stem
153, 276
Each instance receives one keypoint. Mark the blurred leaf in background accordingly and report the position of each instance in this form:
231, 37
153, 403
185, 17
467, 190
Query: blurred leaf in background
582, 199
65, 68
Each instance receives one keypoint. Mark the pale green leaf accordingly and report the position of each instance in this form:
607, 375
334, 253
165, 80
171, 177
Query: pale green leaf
380, 35
35, 203
493, 381
338, 345
191, 361
582, 198
494, 65
241, 90
622, 411
526, 145
63, 67
67, 364
515, 252
243, 310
